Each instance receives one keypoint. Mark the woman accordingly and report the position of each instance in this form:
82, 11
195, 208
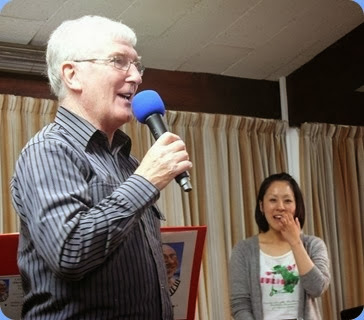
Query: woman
279, 273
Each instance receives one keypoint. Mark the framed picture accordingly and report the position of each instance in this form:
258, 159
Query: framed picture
182, 250
11, 291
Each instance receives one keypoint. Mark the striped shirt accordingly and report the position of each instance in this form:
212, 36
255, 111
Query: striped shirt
90, 245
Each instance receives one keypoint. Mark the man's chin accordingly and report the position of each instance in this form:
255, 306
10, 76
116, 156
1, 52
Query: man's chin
124, 117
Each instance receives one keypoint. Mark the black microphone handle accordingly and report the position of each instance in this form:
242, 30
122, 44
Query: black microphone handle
158, 127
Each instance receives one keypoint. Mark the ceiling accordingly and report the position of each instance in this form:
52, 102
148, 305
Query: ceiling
255, 39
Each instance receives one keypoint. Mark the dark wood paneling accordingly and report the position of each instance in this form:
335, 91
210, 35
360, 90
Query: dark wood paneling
200, 92
323, 90
183, 91
25, 85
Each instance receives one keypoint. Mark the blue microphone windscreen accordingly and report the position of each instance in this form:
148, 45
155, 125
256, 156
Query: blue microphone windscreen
146, 103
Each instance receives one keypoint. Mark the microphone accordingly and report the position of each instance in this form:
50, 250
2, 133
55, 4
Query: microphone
148, 108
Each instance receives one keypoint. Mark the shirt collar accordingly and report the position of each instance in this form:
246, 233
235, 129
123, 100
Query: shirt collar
84, 132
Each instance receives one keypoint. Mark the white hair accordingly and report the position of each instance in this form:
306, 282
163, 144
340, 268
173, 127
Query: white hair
79, 39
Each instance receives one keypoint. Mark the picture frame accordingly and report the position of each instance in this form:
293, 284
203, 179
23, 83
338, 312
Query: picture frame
186, 242
11, 291
185, 245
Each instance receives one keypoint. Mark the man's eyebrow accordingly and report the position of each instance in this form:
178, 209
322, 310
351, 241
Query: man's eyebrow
123, 54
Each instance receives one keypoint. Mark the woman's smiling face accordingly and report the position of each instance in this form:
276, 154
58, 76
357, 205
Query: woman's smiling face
278, 201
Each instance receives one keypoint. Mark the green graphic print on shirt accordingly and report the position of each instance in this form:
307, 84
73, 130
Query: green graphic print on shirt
290, 280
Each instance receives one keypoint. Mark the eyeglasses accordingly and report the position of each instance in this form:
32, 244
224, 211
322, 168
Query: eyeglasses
119, 62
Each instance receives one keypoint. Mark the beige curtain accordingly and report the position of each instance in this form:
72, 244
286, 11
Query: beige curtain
231, 157
20, 119
332, 178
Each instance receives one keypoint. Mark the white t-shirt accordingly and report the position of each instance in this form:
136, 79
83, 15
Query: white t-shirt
279, 283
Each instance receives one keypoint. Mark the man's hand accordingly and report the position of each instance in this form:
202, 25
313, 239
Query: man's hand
166, 159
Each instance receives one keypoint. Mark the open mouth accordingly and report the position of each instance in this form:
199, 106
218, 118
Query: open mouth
125, 96
278, 217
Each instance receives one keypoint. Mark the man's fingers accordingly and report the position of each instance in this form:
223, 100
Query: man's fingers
167, 138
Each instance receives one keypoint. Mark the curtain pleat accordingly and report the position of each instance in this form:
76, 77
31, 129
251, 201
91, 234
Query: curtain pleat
332, 169
20, 119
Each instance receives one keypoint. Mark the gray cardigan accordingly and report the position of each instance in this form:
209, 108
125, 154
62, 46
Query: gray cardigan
245, 295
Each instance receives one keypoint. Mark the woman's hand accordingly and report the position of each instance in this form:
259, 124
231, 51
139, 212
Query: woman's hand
291, 229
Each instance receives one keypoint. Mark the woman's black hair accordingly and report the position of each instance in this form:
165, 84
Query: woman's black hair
300, 206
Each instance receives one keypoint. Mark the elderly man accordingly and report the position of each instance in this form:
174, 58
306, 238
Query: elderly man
4, 291
172, 264
90, 244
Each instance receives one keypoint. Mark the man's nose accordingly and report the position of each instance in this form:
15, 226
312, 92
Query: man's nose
169, 260
134, 75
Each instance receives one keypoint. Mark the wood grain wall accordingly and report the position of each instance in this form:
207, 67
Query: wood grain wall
183, 91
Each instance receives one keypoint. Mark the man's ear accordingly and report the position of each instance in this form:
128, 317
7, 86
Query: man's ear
70, 76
